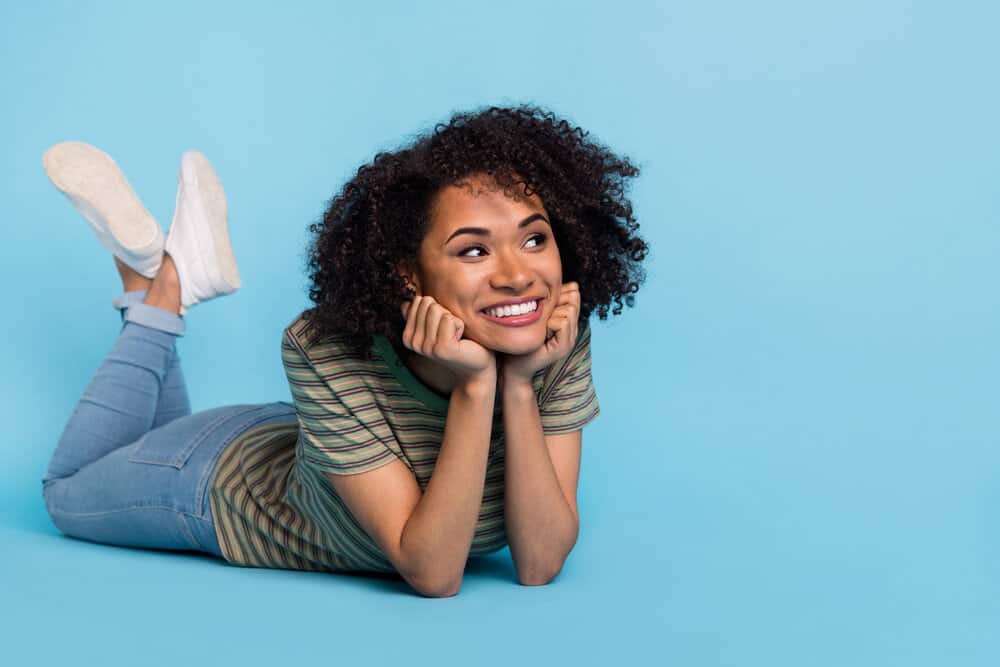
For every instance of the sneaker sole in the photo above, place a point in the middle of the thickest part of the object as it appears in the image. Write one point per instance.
(90, 177)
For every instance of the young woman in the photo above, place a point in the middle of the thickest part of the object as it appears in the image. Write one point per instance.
(439, 384)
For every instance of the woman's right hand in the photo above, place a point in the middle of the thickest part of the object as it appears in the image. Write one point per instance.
(434, 332)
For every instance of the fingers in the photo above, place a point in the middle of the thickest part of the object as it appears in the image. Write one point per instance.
(562, 321)
(448, 329)
(410, 309)
(569, 300)
(429, 324)
(569, 295)
(432, 318)
(458, 327)
(416, 323)
(556, 324)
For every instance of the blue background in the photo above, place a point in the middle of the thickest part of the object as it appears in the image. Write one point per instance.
(797, 457)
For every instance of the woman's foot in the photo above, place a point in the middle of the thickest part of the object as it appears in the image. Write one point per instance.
(165, 288)
(199, 234)
(98, 189)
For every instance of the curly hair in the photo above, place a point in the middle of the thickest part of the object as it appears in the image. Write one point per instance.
(379, 217)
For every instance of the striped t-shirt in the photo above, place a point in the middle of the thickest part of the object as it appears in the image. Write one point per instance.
(272, 503)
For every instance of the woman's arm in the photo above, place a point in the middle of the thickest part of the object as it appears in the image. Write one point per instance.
(438, 535)
(541, 522)
(539, 488)
(427, 536)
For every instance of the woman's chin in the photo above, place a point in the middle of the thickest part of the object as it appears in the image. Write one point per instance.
(517, 347)
(512, 341)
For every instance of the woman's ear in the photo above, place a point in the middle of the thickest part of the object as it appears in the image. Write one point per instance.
(409, 275)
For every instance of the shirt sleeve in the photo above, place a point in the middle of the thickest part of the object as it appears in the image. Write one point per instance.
(331, 436)
(569, 401)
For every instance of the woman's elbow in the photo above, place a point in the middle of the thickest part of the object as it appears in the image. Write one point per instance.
(538, 577)
(445, 589)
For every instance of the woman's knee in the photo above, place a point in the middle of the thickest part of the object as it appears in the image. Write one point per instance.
(50, 494)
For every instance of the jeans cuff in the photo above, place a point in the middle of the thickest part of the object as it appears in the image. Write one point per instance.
(155, 318)
(129, 299)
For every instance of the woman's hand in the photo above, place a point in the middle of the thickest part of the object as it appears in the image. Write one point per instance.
(560, 337)
(434, 332)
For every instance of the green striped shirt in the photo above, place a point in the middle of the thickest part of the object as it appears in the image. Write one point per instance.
(272, 503)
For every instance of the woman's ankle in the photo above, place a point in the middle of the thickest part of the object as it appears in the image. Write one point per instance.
(132, 280)
(165, 290)
(167, 303)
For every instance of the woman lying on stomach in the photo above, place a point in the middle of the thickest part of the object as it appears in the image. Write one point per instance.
(439, 384)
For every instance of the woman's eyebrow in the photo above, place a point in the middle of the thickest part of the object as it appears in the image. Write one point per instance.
(480, 231)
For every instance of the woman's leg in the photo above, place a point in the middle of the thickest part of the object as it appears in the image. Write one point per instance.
(116, 479)
(132, 466)
(121, 402)
(155, 493)
(173, 401)
(109, 480)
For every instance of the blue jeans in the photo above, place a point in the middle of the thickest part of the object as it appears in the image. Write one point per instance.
(133, 465)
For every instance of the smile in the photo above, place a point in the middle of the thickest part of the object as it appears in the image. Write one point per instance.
(518, 316)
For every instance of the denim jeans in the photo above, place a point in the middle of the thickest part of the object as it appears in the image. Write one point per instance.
(133, 466)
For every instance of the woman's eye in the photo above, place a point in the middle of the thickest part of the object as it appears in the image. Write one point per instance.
(462, 253)
(541, 239)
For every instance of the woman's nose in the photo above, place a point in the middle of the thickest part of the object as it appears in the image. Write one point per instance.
(511, 274)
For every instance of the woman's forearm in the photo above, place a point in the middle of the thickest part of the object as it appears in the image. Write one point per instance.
(541, 527)
(438, 535)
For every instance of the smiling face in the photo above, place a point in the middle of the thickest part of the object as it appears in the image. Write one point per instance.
(483, 248)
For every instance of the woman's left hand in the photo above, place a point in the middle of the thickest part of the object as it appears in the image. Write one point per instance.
(560, 337)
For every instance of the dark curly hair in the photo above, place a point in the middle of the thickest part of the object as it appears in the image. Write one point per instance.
(379, 217)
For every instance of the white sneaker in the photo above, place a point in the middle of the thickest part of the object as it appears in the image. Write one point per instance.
(198, 240)
(98, 189)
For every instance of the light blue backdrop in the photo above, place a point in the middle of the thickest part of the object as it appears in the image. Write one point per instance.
(797, 457)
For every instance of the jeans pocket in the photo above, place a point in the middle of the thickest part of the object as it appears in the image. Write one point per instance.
(163, 449)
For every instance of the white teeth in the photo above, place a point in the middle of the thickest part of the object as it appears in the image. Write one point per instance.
(507, 311)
